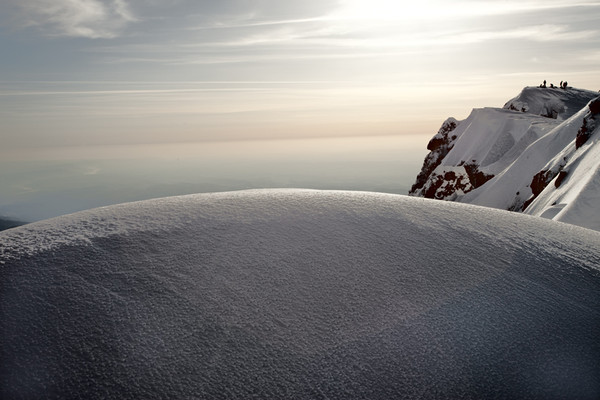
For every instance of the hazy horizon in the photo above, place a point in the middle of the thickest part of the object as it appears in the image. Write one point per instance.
(64, 180)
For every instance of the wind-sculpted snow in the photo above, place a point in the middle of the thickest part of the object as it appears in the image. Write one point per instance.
(299, 294)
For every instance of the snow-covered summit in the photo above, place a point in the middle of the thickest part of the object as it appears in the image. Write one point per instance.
(299, 294)
(498, 157)
(549, 102)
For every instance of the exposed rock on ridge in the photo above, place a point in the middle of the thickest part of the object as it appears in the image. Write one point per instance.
(589, 123)
(438, 146)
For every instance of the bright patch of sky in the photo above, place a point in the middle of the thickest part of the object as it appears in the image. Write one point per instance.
(81, 72)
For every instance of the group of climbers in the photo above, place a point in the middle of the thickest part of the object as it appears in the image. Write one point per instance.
(563, 85)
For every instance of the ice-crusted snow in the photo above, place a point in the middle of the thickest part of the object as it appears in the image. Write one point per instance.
(299, 294)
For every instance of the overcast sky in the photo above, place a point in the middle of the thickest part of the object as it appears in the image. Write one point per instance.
(84, 72)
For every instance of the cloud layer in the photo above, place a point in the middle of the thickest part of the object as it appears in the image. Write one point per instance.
(238, 68)
(74, 18)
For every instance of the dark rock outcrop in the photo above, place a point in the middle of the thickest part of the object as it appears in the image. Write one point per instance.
(595, 106)
(442, 187)
(476, 177)
(560, 178)
(541, 180)
(589, 123)
(439, 146)
(584, 133)
(446, 184)
(453, 181)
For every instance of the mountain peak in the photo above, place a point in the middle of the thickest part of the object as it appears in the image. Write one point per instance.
(506, 157)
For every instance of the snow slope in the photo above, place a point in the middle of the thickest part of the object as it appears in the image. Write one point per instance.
(299, 294)
(500, 191)
(576, 198)
(489, 140)
(501, 157)
(572, 177)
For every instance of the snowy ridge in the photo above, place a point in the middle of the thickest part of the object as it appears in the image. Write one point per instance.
(299, 294)
(573, 188)
(501, 192)
(504, 158)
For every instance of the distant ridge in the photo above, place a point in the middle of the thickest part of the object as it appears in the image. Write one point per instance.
(539, 154)
(6, 223)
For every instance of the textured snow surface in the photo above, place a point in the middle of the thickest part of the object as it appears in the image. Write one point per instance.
(299, 294)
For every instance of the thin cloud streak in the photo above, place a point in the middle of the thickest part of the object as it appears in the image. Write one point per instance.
(190, 60)
(174, 82)
(437, 9)
(537, 33)
(237, 25)
(310, 46)
(121, 92)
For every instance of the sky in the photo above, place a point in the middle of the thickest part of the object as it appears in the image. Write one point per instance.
(104, 72)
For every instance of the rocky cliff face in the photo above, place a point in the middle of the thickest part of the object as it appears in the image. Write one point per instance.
(508, 157)
(439, 146)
